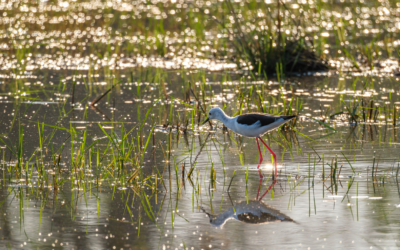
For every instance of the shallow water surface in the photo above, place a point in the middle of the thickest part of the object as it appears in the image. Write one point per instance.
(102, 147)
(337, 181)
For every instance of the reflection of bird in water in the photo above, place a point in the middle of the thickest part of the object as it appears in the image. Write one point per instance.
(251, 125)
(255, 212)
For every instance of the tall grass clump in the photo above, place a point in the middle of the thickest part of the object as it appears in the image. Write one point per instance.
(261, 45)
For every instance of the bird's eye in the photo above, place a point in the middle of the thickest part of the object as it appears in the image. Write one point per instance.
(209, 113)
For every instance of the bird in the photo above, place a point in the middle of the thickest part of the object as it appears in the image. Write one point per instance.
(251, 125)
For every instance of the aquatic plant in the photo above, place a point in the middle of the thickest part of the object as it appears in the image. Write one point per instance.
(264, 48)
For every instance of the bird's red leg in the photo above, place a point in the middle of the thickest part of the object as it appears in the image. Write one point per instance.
(261, 159)
(259, 152)
(273, 154)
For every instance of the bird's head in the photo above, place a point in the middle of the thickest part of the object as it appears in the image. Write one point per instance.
(214, 113)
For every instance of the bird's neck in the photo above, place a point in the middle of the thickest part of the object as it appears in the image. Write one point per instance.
(227, 120)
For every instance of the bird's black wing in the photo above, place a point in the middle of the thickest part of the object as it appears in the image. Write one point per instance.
(251, 118)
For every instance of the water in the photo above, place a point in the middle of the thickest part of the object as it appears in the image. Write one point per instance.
(115, 214)
(135, 171)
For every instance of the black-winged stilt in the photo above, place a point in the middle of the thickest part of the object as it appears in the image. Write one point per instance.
(251, 125)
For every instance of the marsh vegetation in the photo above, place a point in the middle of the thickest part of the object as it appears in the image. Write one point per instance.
(101, 105)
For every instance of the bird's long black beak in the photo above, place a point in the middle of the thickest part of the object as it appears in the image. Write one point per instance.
(205, 121)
